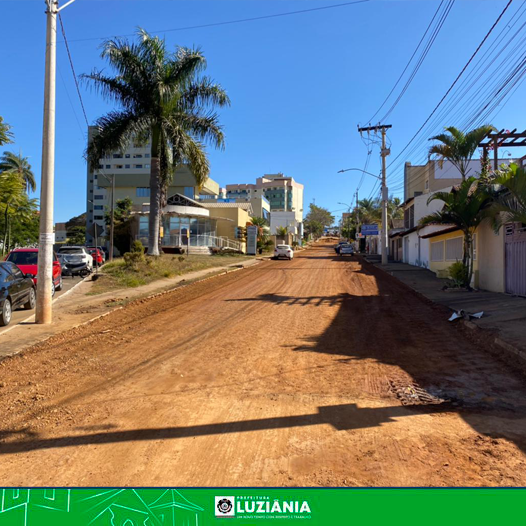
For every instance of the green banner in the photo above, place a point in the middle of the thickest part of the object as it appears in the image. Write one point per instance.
(237, 506)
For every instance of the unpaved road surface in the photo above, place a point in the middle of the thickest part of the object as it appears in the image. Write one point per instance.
(286, 373)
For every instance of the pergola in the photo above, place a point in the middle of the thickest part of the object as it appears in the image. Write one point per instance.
(502, 139)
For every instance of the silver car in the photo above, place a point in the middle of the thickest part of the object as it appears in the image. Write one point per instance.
(347, 249)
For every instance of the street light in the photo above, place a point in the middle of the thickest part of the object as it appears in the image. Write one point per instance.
(384, 244)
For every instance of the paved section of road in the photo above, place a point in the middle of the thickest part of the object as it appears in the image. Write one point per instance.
(21, 314)
(285, 373)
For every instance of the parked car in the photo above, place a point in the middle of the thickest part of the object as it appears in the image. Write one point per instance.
(346, 249)
(26, 259)
(338, 246)
(16, 290)
(97, 254)
(283, 251)
(75, 260)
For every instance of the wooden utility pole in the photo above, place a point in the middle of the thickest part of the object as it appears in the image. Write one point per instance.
(384, 245)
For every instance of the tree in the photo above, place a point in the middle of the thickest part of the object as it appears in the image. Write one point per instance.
(317, 219)
(282, 231)
(369, 211)
(15, 207)
(509, 197)
(6, 135)
(76, 235)
(464, 207)
(314, 228)
(122, 219)
(16, 163)
(260, 222)
(163, 98)
(458, 147)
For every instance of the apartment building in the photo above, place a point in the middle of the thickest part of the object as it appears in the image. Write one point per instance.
(129, 173)
(285, 198)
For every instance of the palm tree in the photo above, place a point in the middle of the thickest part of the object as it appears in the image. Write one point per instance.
(509, 204)
(282, 231)
(12, 162)
(164, 98)
(369, 211)
(458, 147)
(464, 207)
(5, 134)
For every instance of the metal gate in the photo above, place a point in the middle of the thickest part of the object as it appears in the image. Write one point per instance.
(515, 253)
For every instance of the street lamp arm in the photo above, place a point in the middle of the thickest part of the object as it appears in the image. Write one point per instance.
(358, 170)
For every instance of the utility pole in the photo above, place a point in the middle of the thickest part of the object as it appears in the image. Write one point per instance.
(43, 312)
(384, 245)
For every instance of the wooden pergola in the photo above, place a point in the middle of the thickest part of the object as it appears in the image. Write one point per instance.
(502, 139)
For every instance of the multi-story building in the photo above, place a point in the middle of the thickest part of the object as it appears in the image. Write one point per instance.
(284, 195)
(130, 171)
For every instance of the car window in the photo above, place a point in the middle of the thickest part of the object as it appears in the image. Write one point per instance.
(4, 275)
(70, 251)
(15, 271)
(23, 258)
(283, 246)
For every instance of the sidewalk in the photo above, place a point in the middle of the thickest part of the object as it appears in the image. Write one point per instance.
(77, 307)
(504, 315)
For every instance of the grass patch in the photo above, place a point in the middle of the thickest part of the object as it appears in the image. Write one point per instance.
(117, 275)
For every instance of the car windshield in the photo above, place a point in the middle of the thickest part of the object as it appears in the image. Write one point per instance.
(71, 251)
(23, 258)
(283, 246)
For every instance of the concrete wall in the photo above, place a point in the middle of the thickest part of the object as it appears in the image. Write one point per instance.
(237, 218)
(490, 255)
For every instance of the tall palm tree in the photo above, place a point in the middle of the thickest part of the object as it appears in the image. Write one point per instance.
(369, 210)
(17, 163)
(509, 204)
(458, 147)
(165, 98)
(464, 207)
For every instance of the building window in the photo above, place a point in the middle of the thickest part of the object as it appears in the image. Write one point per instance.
(98, 218)
(117, 156)
(137, 165)
(142, 192)
(108, 166)
(101, 166)
(119, 166)
(147, 155)
(127, 155)
(454, 249)
(147, 166)
(126, 166)
(189, 191)
(437, 251)
(98, 197)
(137, 155)
(99, 207)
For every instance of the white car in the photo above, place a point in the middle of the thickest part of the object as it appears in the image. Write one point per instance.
(283, 251)
(75, 257)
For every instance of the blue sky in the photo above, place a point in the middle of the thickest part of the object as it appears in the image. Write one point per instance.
(299, 84)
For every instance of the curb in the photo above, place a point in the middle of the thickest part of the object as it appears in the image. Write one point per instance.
(514, 353)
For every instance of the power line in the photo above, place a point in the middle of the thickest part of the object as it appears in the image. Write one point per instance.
(455, 81)
(229, 22)
(73, 69)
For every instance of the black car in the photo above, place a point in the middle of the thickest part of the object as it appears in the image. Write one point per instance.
(16, 290)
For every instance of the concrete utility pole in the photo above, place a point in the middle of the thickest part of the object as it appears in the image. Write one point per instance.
(384, 245)
(43, 312)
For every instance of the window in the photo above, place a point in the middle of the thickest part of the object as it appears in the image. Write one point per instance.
(147, 166)
(142, 192)
(98, 207)
(98, 218)
(137, 165)
(126, 166)
(137, 155)
(454, 249)
(117, 156)
(119, 166)
(147, 155)
(437, 251)
(98, 197)
(189, 191)
(127, 156)
(108, 166)
(101, 166)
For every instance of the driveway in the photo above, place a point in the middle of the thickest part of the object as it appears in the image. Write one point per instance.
(321, 371)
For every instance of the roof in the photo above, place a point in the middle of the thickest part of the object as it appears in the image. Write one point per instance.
(182, 200)
(244, 206)
(440, 232)
(34, 249)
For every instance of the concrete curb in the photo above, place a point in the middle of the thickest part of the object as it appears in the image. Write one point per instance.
(507, 351)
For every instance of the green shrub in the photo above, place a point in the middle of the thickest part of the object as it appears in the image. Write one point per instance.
(459, 273)
(181, 259)
(132, 259)
(137, 246)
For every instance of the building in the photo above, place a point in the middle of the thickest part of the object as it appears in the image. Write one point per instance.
(129, 171)
(61, 234)
(284, 195)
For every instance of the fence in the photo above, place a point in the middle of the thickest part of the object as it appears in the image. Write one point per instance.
(204, 240)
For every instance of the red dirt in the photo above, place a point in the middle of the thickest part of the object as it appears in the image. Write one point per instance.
(280, 374)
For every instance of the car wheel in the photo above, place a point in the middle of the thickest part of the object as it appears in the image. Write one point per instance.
(30, 305)
(5, 313)
(52, 289)
(59, 286)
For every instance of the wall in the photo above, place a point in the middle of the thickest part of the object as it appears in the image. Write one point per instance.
(237, 216)
(490, 253)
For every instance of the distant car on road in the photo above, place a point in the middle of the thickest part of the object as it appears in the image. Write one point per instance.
(97, 254)
(75, 259)
(346, 249)
(26, 259)
(16, 290)
(283, 251)
(337, 247)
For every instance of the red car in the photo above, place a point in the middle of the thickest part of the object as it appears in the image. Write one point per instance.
(26, 259)
(96, 254)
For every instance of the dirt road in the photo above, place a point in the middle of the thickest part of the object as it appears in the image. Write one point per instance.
(287, 373)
